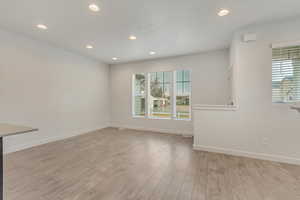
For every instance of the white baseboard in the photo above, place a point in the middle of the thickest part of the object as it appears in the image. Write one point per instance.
(159, 130)
(260, 156)
(19, 147)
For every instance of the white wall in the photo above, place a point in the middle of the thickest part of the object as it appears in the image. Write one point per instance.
(59, 92)
(209, 86)
(259, 128)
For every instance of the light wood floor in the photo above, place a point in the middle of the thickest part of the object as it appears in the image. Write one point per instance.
(135, 165)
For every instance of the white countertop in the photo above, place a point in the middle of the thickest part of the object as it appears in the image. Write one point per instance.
(10, 129)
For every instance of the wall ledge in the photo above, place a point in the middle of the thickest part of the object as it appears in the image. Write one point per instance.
(215, 107)
(19, 147)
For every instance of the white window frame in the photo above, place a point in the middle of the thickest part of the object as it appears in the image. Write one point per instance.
(148, 96)
(133, 96)
(282, 45)
(173, 95)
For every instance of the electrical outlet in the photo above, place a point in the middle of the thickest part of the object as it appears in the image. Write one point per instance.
(265, 141)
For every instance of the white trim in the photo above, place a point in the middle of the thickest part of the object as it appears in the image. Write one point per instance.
(285, 44)
(260, 156)
(18, 147)
(216, 107)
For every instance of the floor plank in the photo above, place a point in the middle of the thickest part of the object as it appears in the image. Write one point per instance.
(113, 164)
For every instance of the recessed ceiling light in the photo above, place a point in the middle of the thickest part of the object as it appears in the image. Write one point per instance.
(223, 12)
(42, 26)
(115, 58)
(152, 52)
(89, 46)
(132, 37)
(94, 7)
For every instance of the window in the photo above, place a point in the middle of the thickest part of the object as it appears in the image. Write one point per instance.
(183, 94)
(162, 95)
(286, 74)
(139, 95)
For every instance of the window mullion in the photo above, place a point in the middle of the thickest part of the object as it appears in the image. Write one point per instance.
(133, 95)
(147, 107)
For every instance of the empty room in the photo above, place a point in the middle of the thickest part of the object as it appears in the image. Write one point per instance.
(150, 100)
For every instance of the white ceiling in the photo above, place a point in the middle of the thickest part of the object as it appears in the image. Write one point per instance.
(168, 27)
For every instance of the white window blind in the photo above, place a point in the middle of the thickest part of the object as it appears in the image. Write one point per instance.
(286, 74)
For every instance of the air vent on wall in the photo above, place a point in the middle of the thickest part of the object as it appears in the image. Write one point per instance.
(249, 37)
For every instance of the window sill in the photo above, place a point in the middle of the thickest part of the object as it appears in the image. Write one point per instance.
(160, 118)
(176, 119)
(287, 105)
(163, 118)
(139, 117)
(282, 105)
